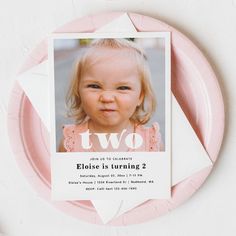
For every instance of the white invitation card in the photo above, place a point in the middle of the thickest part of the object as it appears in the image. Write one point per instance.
(110, 115)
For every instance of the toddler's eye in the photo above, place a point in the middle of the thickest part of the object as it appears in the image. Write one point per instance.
(124, 88)
(94, 86)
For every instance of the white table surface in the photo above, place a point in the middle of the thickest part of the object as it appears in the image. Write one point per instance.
(211, 24)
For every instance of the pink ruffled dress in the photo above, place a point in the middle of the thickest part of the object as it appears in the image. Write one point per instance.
(151, 138)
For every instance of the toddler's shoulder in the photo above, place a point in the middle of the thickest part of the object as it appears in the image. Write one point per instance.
(150, 129)
(70, 129)
(70, 136)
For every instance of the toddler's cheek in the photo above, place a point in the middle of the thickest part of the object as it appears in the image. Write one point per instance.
(129, 101)
(126, 99)
(88, 97)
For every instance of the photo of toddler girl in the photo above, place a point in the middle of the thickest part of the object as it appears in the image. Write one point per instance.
(110, 96)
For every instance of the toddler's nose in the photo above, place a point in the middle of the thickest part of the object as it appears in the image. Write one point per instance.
(107, 96)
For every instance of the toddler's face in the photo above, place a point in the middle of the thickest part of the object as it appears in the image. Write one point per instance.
(110, 89)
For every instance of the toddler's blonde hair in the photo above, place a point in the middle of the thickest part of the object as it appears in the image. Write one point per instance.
(144, 111)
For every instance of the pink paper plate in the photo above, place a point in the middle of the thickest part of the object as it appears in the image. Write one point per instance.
(193, 83)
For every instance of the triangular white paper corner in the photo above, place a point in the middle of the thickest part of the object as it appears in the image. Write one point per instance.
(121, 24)
(35, 82)
(188, 155)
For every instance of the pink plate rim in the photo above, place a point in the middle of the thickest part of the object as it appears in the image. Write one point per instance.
(153, 208)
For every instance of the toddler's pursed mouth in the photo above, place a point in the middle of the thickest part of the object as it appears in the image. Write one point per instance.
(107, 110)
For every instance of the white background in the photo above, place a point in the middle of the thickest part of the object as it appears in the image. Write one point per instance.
(211, 25)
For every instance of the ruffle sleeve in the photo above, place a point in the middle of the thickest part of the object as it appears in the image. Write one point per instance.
(155, 141)
(69, 137)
